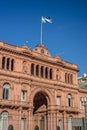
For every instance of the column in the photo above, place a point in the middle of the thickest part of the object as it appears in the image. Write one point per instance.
(29, 65)
(54, 74)
(49, 121)
(69, 123)
(39, 71)
(54, 120)
(19, 124)
(34, 70)
(48, 73)
(30, 119)
(45, 121)
(5, 63)
(44, 72)
(64, 121)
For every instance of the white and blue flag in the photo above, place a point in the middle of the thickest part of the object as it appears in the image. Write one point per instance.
(46, 19)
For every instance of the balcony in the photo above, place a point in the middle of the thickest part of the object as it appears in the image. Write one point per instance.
(68, 109)
(72, 109)
(13, 104)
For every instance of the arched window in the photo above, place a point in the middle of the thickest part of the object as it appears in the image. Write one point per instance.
(46, 72)
(50, 73)
(69, 100)
(37, 70)
(6, 91)
(8, 63)
(4, 121)
(32, 69)
(3, 62)
(42, 72)
(12, 64)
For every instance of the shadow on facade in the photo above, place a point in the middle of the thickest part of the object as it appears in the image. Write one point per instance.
(40, 104)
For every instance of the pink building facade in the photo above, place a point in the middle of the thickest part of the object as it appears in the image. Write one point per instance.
(37, 91)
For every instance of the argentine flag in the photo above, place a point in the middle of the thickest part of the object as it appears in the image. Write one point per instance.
(46, 19)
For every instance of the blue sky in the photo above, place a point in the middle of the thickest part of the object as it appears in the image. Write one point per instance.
(67, 36)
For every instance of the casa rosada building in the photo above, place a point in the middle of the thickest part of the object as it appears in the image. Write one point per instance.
(37, 91)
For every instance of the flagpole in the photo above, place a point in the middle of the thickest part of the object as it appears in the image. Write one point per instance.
(41, 33)
(43, 20)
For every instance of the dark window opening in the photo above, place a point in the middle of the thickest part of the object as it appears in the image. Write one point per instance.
(46, 72)
(8, 63)
(42, 71)
(69, 100)
(50, 73)
(65, 77)
(37, 70)
(3, 63)
(36, 128)
(12, 64)
(32, 69)
(10, 127)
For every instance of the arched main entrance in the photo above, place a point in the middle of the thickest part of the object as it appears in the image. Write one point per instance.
(40, 112)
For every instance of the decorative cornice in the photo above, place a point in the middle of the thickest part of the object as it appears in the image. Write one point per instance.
(28, 53)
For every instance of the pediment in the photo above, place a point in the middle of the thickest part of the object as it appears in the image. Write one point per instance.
(41, 108)
(41, 49)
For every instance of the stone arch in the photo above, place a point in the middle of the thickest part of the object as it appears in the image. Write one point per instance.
(11, 84)
(4, 120)
(5, 111)
(48, 94)
(40, 100)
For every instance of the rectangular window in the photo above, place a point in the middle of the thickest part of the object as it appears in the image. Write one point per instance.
(23, 95)
(58, 100)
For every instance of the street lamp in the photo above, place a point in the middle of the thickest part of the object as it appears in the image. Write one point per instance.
(24, 120)
(84, 103)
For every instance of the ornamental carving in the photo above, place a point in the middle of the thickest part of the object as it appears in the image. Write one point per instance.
(59, 74)
(25, 67)
(8, 82)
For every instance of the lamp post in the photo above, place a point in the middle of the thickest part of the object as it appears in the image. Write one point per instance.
(84, 103)
(24, 120)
